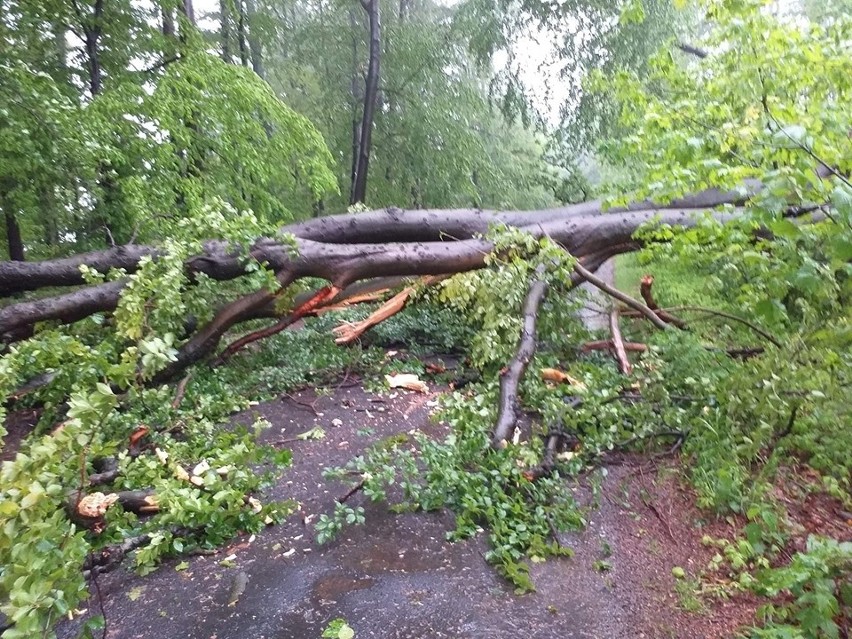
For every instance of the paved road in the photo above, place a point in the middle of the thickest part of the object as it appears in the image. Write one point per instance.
(395, 577)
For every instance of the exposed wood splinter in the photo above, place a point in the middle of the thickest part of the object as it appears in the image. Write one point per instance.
(350, 331)
(618, 344)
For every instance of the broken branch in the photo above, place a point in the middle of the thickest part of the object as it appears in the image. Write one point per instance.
(591, 278)
(645, 290)
(507, 414)
(606, 344)
(618, 344)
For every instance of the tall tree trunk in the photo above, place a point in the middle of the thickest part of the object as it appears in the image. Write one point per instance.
(225, 29)
(241, 34)
(13, 234)
(356, 138)
(254, 41)
(168, 22)
(92, 30)
(371, 91)
(188, 11)
(60, 48)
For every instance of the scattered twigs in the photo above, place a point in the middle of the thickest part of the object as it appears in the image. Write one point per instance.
(356, 488)
(645, 289)
(108, 558)
(620, 296)
(181, 391)
(658, 515)
(618, 344)
(650, 504)
(310, 406)
(745, 353)
(507, 413)
(679, 436)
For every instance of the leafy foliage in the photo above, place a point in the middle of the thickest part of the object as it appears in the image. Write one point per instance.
(816, 580)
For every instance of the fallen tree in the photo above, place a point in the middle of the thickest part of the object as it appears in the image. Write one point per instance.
(361, 257)
(342, 249)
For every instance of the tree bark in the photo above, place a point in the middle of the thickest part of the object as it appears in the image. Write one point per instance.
(645, 290)
(241, 34)
(13, 235)
(618, 344)
(168, 22)
(371, 92)
(225, 30)
(254, 41)
(507, 413)
(188, 11)
(342, 250)
(92, 30)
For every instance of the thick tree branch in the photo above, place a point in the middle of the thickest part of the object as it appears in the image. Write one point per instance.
(352, 248)
(606, 344)
(308, 307)
(391, 227)
(507, 412)
(692, 50)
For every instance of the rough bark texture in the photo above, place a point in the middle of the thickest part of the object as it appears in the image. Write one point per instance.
(343, 250)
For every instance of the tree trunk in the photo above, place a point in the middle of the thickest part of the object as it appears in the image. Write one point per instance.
(189, 12)
(353, 25)
(241, 35)
(92, 34)
(342, 249)
(255, 44)
(168, 22)
(225, 30)
(13, 235)
(371, 91)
